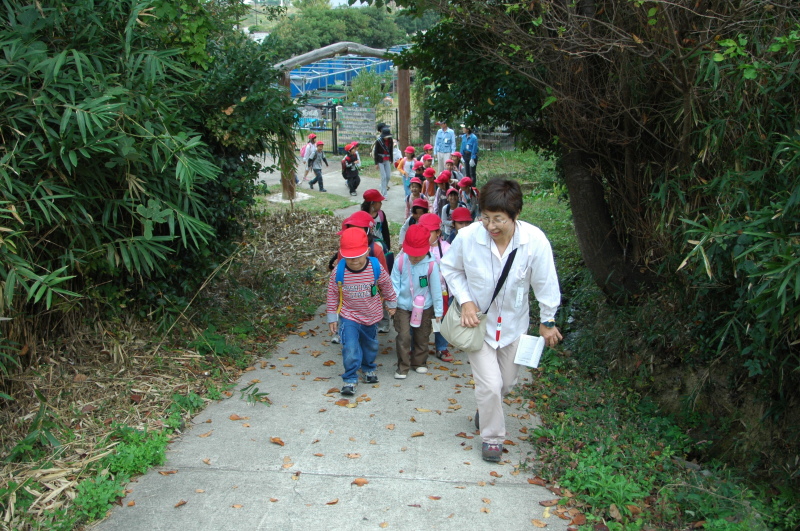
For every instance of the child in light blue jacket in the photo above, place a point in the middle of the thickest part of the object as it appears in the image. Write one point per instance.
(415, 274)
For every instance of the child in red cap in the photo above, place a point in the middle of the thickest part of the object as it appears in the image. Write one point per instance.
(461, 218)
(306, 153)
(357, 289)
(406, 167)
(351, 165)
(428, 185)
(447, 214)
(427, 161)
(469, 196)
(315, 163)
(440, 197)
(418, 208)
(433, 223)
(416, 193)
(416, 282)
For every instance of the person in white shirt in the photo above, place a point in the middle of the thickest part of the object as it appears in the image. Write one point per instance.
(472, 268)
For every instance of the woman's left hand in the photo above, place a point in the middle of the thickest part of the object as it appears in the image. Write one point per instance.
(551, 335)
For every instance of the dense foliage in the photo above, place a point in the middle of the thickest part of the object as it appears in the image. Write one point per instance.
(126, 130)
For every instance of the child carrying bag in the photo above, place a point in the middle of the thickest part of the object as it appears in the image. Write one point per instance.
(471, 339)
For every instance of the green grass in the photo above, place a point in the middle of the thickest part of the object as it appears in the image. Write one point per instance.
(524, 166)
(320, 203)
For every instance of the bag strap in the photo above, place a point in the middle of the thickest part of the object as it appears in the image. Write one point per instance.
(503, 276)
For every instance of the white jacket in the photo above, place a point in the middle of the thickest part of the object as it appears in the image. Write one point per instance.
(472, 267)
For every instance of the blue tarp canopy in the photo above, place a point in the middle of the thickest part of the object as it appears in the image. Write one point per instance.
(336, 71)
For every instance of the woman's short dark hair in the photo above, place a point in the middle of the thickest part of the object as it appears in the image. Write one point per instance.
(501, 195)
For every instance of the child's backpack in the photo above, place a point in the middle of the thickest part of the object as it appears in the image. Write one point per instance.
(303, 151)
(400, 266)
(344, 167)
(376, 270)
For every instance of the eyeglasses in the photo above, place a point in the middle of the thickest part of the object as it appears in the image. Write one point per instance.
(497, 222)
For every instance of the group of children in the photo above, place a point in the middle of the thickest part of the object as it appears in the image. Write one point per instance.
(368, 285)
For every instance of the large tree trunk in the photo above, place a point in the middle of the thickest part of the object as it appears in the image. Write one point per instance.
(602, 252)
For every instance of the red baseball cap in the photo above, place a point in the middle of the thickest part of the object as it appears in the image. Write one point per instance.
(416, 180)
(449, 161)
(353, 243)
(422, 203)
(443, 177)
(410, 149)
(355, 143)
(373, 195)
(452, 191)
(431, 222)
(429, 172)
(417, 242)
(360, 219)
(426, 147)
(418, 164)
(455, 154)
(312, 136)
(461, 214)
(466, 181)
(348, 147)
(426, 157)
(320, 143)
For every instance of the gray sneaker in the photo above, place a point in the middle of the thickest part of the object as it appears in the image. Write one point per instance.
(335, 339)
(492, 452)
(348, 389)
(371, 377)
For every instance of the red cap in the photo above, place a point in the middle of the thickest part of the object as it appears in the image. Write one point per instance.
(418, 164)
(465, 182)
(320, 143)
(461, 214)
(431, 222)
(312, 136)
(353, 243)
(416, 180)
(452, 191)
(373, 195)
(348, 147)
(360, 219)
(429, 172)
(449, 161)
(426, 157)
(426, 147)
(444, 177)
(455, 154)
(355, 143)
(423, 203)
(410, 149)
(417, 242)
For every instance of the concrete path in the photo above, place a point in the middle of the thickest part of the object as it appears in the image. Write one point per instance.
(401, 454)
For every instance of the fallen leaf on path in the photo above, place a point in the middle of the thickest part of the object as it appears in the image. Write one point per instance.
(418, 434)
(131, 503)
(435, 497)
(200, 491)
(207, 461)
(495, 474)
(167, 472)
(328, 363)
(414, 505)
(412, 419)
(182, 502)
(353, 456)
(464, 435)
(614, 512)
(273, 500)
(359, 482)
(323, 410)
(484, 509)
(422, 410)
(245, 425)
(276, 440)
(319, 455)
(263, 364)
(322, 378)
(206, 434)
(342, 402)
(548, 503)
(237, 505)
(537, 481)
(481, 483)
(390, 426)
(373, 441)
(383, 525)
(578, 520)
(486, 500)
(332, 390)
(333, 502)
(538, 523)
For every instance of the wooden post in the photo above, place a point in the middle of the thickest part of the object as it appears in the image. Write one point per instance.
(404, 107)
(286, 165)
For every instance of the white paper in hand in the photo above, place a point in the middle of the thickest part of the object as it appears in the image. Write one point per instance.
(529, 350)
(437, 327)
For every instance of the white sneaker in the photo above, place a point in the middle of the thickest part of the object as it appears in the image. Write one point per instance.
(421, 370)
(335, 340)
(399, 376)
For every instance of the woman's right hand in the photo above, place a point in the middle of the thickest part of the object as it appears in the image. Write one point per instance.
(469, 315)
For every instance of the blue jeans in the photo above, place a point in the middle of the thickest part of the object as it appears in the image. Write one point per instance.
(406, 186)
(359, 348)
(441, 342)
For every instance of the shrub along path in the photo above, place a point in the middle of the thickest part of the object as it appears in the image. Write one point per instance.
(404, 454)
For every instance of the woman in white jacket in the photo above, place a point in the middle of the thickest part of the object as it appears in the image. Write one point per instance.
(472, 268)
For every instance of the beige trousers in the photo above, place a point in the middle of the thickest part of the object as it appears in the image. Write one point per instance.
(495, 373)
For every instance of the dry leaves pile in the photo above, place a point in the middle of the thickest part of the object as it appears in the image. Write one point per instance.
(106, 373)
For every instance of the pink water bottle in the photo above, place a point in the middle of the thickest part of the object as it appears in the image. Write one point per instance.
(416, 310)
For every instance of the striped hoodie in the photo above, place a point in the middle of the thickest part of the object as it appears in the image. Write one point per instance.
(358, 304)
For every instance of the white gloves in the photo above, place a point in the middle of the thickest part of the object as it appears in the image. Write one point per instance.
(472, 163)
